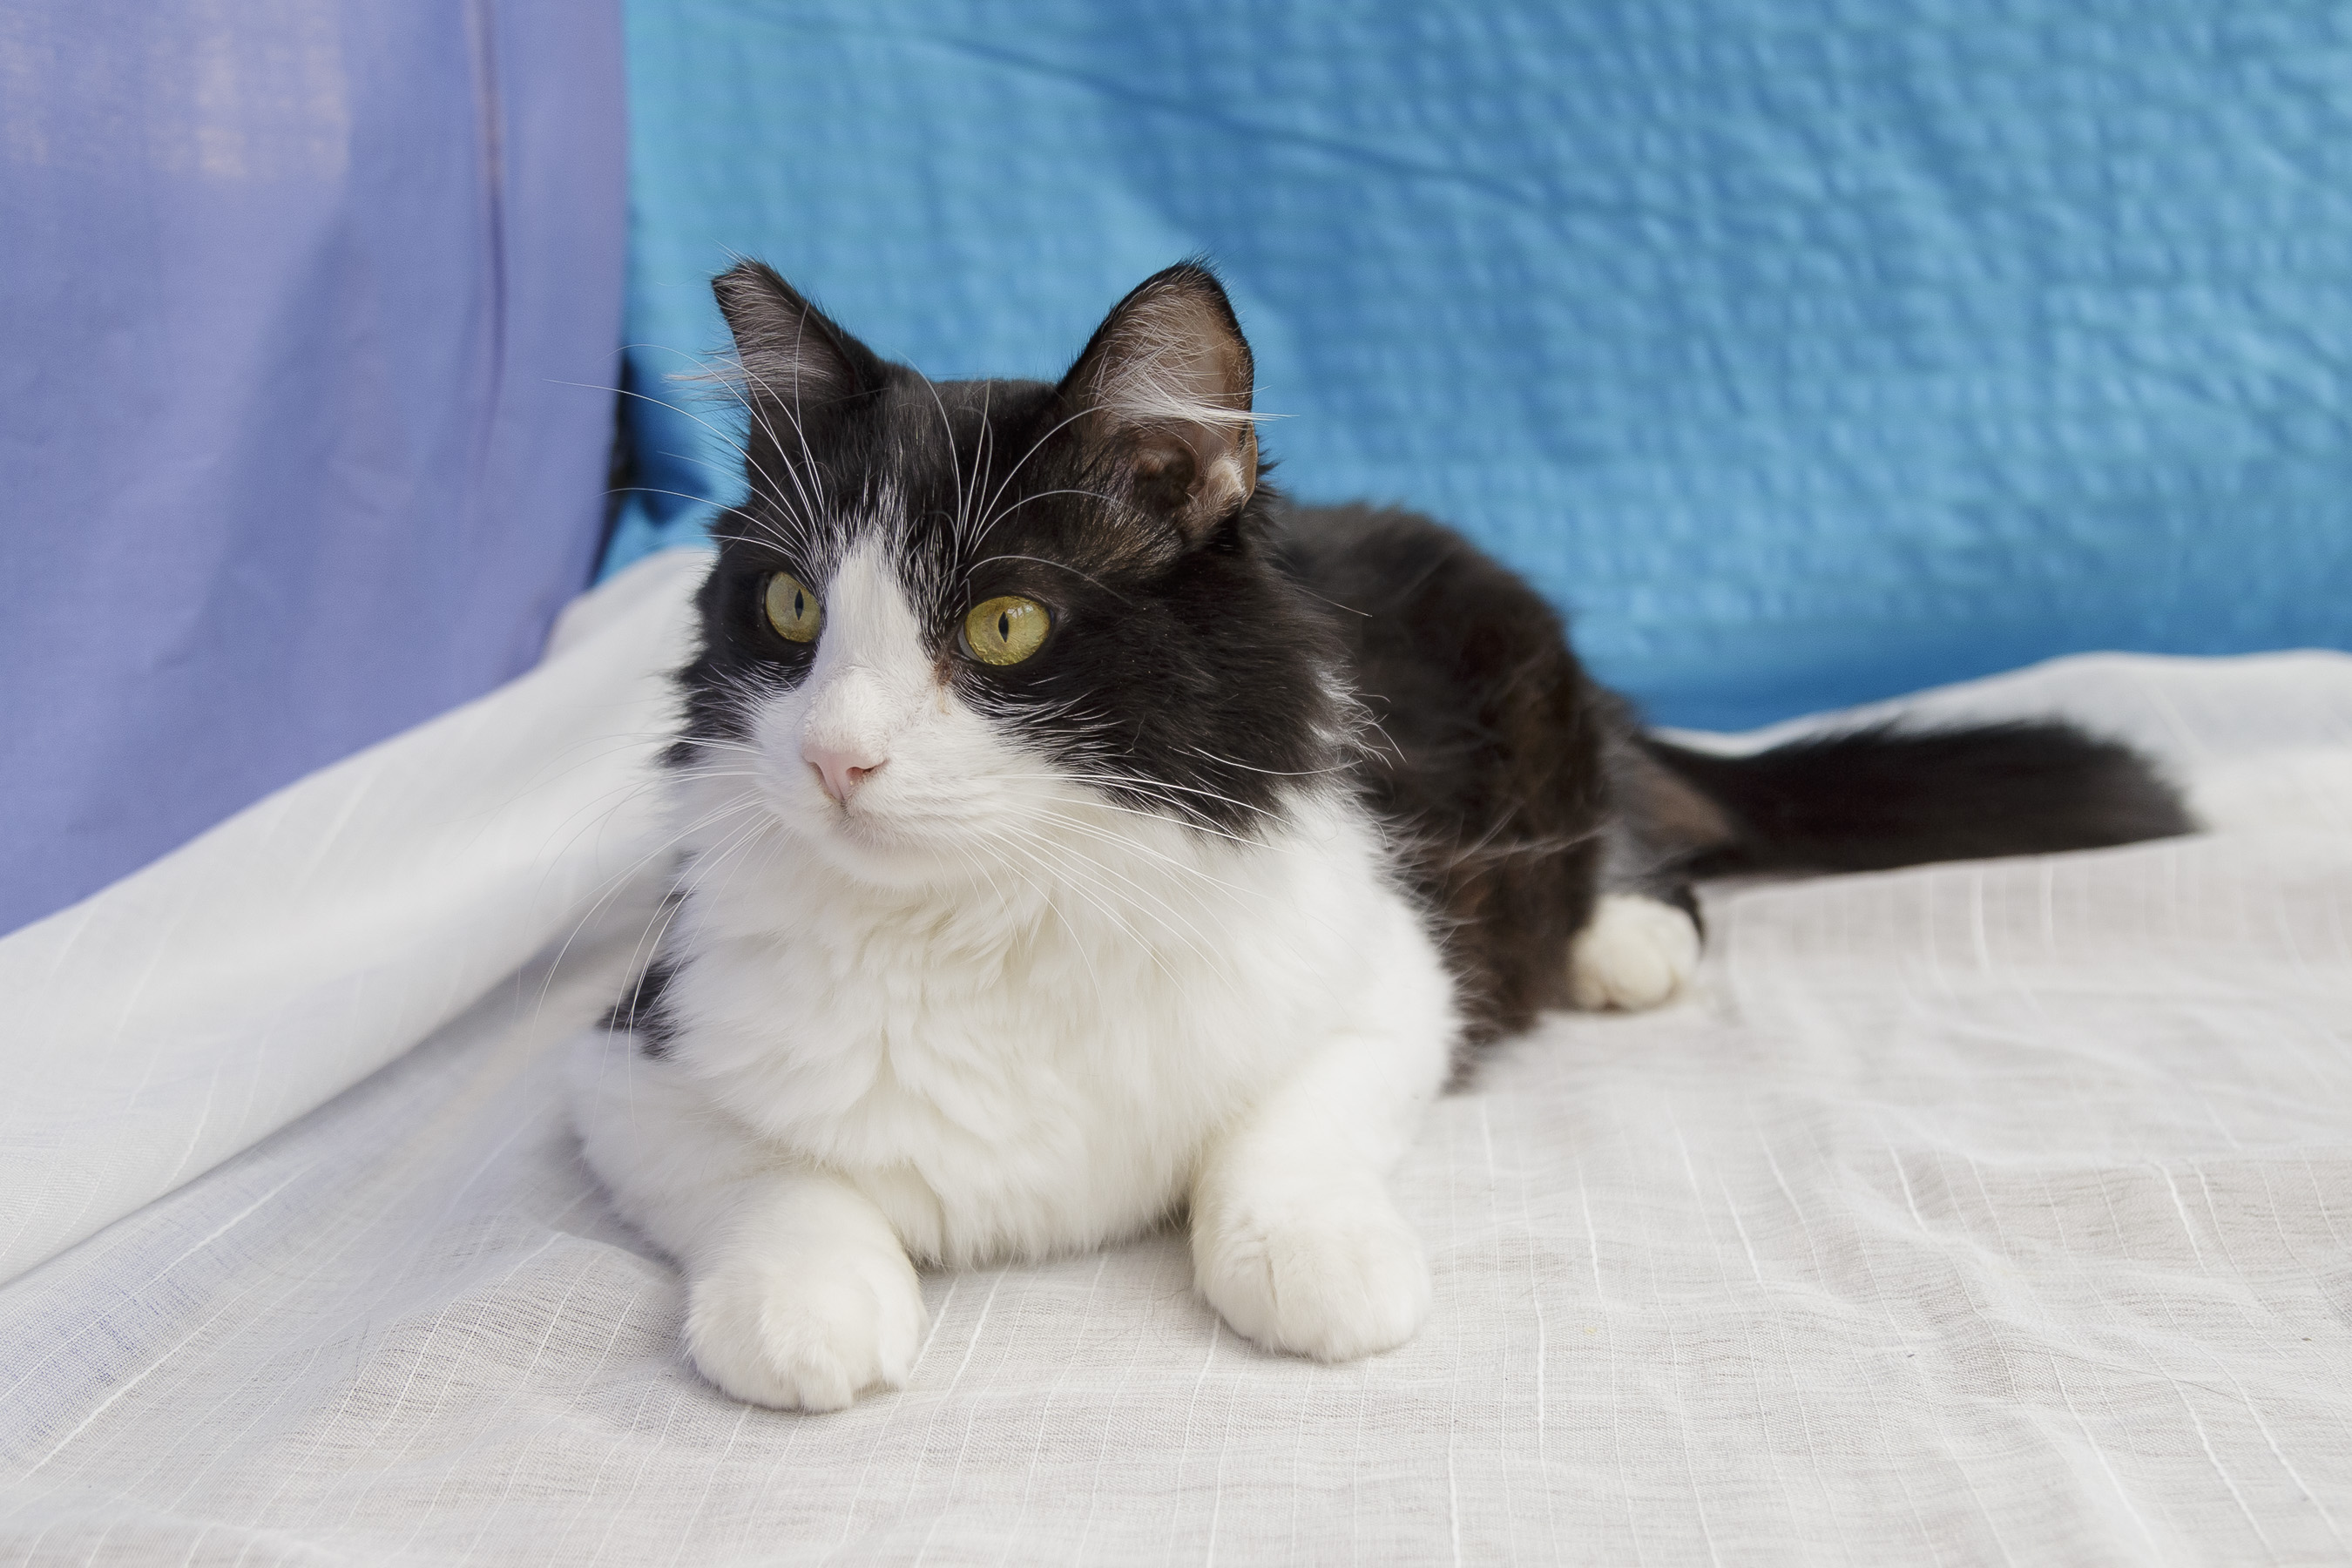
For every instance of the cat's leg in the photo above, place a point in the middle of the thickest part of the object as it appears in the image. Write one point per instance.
(1640, 946)
(798, 1292)
(1295, 1241)
(1637, 951)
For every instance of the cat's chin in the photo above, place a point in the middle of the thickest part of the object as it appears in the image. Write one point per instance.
(870, 848)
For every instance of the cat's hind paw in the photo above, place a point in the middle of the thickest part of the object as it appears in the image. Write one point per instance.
(1634, 953)
(801, 1336)
(1336, 1280)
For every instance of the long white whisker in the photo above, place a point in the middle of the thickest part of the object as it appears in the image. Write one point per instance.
(699, 419)
(1064, 565)
(1150, 900)
(947, 428)
(809, 506)
(987, 514)
(1013, 837)
(1271, 773)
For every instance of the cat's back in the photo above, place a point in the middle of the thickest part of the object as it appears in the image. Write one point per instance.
(1464, 666)
(1486, 759)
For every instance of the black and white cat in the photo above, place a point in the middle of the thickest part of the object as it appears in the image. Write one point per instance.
(1077, 836)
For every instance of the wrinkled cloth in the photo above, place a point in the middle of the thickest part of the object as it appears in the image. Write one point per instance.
(311, 310)
(1808, 352)
(1965, 1213)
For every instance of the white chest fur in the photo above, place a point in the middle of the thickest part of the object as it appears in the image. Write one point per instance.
(1033, 1060)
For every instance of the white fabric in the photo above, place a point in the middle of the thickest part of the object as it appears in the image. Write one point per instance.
(206, 1001)
(1985, 1213)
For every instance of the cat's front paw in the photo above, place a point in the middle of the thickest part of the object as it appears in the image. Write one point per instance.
(799, 1334)
(1633, 954)
(1334, 1279)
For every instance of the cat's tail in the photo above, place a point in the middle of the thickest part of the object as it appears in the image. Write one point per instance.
(1862, 800)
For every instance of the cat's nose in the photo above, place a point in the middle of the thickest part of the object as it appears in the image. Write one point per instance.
(840, 769)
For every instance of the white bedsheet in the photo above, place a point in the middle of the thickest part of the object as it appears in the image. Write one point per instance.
(1994, 1212)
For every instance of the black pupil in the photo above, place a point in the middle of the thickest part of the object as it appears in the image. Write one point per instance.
(1005, 625)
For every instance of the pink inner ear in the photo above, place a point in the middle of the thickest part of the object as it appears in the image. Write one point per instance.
(1171, 381)
(1225, 475)
(1197, 475)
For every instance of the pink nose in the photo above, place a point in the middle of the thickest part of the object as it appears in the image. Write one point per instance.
(841, 772)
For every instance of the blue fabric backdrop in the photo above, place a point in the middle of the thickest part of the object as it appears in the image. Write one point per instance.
(291, 289)
(1809, 350)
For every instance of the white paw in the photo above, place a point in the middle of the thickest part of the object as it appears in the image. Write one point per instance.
(1335, 1280)
(803, 1335)
(1635, 953)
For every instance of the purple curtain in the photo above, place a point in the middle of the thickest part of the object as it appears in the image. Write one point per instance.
(311, 307)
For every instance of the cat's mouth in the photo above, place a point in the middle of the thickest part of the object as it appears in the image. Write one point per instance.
(864, 827)
(876, 840)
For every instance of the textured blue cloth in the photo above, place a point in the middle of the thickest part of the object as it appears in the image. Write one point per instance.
(292, 289)
(1809, 351)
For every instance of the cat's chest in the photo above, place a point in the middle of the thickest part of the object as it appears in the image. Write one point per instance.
(1002, 1079)
(871, 1039)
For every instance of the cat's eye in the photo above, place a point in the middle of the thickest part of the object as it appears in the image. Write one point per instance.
(793, 610)
(1005, 629)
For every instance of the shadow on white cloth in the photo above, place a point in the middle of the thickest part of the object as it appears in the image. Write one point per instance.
(1964, 1214)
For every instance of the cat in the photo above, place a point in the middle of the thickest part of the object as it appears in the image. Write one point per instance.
(1077, 836)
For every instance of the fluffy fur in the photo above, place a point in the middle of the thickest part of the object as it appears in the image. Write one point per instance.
(1193, 911)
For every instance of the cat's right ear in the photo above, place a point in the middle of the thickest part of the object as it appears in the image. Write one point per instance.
(1162, 398)
(790, 351)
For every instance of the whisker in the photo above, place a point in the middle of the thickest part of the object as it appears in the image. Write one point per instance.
(1064, 565)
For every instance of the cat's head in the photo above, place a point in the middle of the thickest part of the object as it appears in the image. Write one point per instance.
(966, 623)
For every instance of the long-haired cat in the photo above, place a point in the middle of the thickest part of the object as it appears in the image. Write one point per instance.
(1078, 836)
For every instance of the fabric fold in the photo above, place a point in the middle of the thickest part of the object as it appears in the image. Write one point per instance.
(195, 1007)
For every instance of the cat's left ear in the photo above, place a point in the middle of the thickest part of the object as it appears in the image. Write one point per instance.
(790, 352)
(1161, 395)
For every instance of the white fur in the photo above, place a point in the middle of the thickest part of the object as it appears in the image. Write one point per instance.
(1635, 952)
(983, 1011)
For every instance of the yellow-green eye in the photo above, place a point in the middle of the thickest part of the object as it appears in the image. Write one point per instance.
(792, 609)
(1005, 629)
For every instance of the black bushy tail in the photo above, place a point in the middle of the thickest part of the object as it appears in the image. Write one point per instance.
(1863, 800)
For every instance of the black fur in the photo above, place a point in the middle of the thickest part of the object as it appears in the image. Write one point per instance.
(1864, 800)
(1204, 633)
(1181, 672)
(1487, 761)
(640, 1010)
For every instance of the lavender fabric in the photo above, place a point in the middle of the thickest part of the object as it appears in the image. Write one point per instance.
(306, 302)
